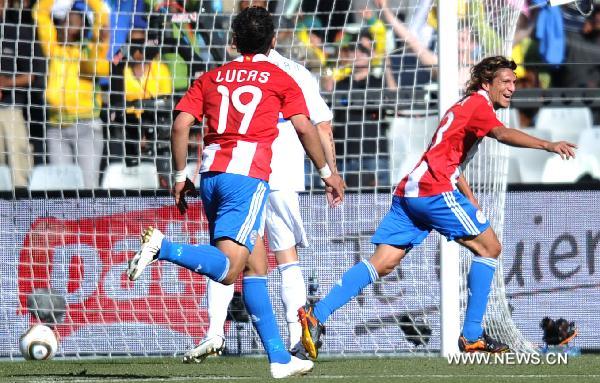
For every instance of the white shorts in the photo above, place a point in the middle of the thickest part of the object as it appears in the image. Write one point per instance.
(284, 225)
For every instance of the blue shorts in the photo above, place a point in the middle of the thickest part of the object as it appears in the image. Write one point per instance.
(410, 220)
(234, 205)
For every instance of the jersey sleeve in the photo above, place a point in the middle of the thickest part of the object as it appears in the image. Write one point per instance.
(484, 119)
(192, 101)
(293, 99)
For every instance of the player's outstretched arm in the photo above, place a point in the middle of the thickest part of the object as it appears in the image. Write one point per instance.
(309, 137)
(179, 146)
(514, 137)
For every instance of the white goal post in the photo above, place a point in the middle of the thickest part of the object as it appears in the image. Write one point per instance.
(449, 259)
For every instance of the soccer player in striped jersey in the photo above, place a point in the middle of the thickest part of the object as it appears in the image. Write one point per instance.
(284, 224)
(241, 101)
(434, 195)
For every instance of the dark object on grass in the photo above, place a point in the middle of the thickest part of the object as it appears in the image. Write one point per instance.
(558, 332)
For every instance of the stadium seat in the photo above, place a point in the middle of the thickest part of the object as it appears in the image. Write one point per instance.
(531, 163)
(407, 139)
(56, 177)
(514, 173)
(513, 118)
(565, 124)
(559, 170)
(403, 164)
(5, 178)
(589, 144)
(544, 134)
(119, 176)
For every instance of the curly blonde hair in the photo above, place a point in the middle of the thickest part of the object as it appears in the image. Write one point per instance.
(485, 71)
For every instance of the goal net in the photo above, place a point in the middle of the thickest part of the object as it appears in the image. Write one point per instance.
(86, 166)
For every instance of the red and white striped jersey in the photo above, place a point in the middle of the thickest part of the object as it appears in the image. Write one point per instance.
(453, 144)
(241, 101)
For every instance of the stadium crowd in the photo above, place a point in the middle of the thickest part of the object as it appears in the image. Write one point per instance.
(94, 82)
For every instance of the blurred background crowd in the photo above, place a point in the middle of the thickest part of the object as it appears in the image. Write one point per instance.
(92, 83)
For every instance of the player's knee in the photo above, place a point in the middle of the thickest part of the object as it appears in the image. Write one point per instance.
(496, 250)
(382, 273)
(231, 276)
(385, 266)
(229, 279)
(492, 250)
(386, 258)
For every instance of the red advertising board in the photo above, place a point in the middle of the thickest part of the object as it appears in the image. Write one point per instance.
(181, 310)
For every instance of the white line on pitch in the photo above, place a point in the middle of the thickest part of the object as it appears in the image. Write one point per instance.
(315, 377)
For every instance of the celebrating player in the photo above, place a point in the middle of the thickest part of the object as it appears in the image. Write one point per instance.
(241, 102)
(283, 220)
(436, 196)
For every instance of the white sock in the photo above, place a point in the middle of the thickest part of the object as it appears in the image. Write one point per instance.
(218, 297)
(293, 295)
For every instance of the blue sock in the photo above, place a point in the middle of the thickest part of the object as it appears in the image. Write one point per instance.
(352, 282)
(258, 305)
(202, 259)
(479, 284)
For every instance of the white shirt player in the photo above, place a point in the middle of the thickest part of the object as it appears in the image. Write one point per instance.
(287, 164)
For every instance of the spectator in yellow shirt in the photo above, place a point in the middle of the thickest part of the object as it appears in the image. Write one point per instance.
(74, 131)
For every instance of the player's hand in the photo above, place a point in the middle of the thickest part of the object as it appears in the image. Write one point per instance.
(334, 189)
(180, 190)
(564, 149)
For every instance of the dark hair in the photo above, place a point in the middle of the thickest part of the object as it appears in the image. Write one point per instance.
(253, 30)
(485, 71)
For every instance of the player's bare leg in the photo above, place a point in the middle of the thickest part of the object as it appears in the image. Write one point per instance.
(386, 258)
(258, 264)
(485, 245)
(486, 248)
(238, 257)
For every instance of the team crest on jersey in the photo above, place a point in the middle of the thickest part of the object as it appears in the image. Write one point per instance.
(253, 235)
(480, 217)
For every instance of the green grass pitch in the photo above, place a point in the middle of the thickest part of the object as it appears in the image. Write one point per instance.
(585, 368)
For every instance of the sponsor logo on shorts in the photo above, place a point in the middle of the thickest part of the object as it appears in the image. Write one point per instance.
(253, 235)
(480, 217)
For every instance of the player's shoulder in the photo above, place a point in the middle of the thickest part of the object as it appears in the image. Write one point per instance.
(260, 62)
(476, 100)
(288, 65)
